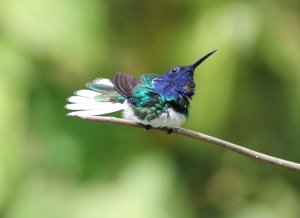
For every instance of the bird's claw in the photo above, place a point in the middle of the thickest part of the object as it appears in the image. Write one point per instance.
(170, 130)
(146, 127)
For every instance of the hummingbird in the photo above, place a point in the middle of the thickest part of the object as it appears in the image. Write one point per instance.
(151, 100)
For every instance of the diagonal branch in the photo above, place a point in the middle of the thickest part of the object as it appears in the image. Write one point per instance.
(202, 137)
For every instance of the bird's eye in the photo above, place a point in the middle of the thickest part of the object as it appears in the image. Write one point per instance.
(175, 69)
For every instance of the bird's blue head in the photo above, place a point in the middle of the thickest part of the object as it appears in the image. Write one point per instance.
(178, 83)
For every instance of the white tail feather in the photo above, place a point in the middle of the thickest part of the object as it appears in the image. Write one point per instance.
(95, 112)
(83, 102)
(95, 106)
(103, 82)
(87, 93)
(80, 100)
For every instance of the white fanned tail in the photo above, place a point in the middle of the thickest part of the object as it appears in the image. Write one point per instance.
(100, 98)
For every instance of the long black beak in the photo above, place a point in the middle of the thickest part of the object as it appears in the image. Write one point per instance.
(197, 63)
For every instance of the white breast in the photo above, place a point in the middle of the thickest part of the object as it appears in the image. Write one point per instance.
(169, 118)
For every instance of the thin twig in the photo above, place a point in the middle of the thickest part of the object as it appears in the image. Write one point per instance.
(202, 137)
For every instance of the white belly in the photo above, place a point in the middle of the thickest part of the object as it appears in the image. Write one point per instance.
(169, 118)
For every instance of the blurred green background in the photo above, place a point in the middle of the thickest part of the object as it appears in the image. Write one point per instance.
(248, 93)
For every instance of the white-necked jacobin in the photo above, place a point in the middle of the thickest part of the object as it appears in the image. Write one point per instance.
(151, 100)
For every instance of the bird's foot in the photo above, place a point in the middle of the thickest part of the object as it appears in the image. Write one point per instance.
(146, 127)
(170, 130)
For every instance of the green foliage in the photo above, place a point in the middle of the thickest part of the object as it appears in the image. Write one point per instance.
(248, 92)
